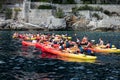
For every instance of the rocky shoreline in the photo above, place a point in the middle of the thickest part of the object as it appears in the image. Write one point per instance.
(16, 25)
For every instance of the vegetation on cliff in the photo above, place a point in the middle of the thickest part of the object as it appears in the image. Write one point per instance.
(83, 1)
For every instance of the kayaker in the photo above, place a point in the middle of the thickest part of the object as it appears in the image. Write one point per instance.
(78, 41)
(15, 35)
(67, 44)
(101, 42)
(109, 45)
(38, 37)
(86, 49)
(84, 40)
(89, 44)
(34, 41)
(61, 47)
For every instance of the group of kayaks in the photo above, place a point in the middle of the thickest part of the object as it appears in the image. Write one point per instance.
(46, 47)
(49, 49)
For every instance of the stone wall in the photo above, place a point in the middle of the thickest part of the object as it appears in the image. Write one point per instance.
(85, 13)
(46, 19)
(39, 16)
(106, 23)
(112, 8)
(111, 21)
(55, 23)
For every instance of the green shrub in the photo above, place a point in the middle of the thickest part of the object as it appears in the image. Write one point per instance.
(8, 13)
(45, 7)
(86, 7)
(17, 9)
(87, 2)
(59, 13)
(0, 6)
(40, 0)
(64, 2)
(96, 15)
(70, 2)
(107, 12)
(97, 8)
(74, 9)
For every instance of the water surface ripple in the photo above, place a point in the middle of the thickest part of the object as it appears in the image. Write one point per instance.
(18, 62)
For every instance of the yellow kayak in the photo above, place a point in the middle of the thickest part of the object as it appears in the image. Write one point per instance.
(105, 50)
(52, 50)
(76, 60)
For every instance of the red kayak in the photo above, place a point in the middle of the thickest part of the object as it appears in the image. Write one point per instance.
(48, 48)
(26, 43)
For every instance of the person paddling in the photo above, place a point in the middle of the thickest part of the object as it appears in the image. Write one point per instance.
(101, 42)
(84, 40)
(89, 45)
(109, 45)
(61, 47)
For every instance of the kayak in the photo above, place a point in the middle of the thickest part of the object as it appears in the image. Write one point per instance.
(75, 60)
(46, 48)
(26, 43)
(28, 38)
(49, 49)
(105, 50)
(67, 37)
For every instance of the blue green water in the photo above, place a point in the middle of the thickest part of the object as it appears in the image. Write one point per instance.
(10, 45)
(50, 69)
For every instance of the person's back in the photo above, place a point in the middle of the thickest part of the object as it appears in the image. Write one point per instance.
(67, 44)
(101, 42)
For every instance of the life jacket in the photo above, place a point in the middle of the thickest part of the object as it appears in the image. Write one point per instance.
(110, 45)
(67, 44)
